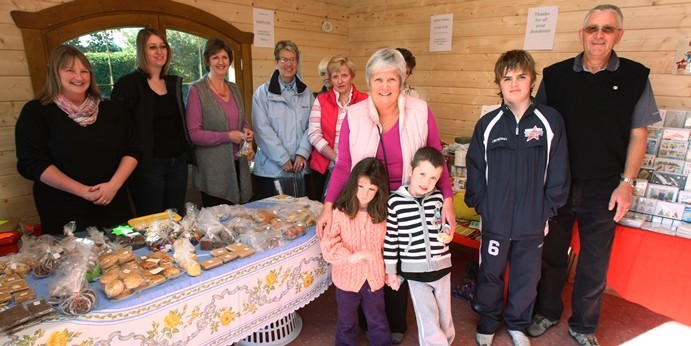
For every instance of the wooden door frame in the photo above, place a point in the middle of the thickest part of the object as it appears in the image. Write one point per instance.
(44, 30)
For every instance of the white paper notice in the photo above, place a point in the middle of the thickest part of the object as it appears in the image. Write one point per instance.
(263, 28)
(540, 28)
(440, 33)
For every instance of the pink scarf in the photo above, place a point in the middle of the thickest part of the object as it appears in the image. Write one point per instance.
(84, 114)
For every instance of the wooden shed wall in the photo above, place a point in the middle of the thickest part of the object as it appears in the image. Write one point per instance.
(458, 82)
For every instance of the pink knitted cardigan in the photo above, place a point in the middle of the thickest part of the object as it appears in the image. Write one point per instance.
(347, 237)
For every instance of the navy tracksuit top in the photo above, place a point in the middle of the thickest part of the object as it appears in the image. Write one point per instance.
(518, 172)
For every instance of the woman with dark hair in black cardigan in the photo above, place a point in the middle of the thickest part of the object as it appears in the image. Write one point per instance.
(153, 100)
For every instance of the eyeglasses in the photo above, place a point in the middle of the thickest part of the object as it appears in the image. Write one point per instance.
(322, 74)
(285, 60)
(607, 29)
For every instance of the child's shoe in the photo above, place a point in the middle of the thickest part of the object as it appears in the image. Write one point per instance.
(397, 338)
(484, 339)
(519, 339)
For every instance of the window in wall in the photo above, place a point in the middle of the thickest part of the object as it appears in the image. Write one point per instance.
(113, 54)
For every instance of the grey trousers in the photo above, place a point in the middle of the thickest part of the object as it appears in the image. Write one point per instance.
(432, 304)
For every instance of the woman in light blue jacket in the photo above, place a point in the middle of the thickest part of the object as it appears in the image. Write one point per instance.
(280, 116)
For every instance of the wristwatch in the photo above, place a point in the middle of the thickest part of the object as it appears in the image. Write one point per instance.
(628, 181)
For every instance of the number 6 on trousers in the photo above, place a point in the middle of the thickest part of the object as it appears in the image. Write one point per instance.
(493, 247)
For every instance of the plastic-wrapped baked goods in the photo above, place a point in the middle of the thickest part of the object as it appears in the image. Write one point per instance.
(148, 263)
(114, 288)
(65, 285)
(17, 264)
(125, 255)
(20, 297)
(216, 234)
(17, 286)
(240, 249)
(130, 266)
(99, 239)
(193, 269)
(211, 263)
(262, 240)
(160, 255)
(228, 256)
(123, 240)
(79, 303)
(209, 243)
(108, 260)
(445, 237)
(219, 252)
(148, 221)
(21, 269)
(293, 231)
(109, 277)
(185, 257)
(5, 297)
(44, 267)
(158, 236)
(138, 241)
(133, 280)
(155, 279)
(246, 150)
(264, 217)
(13, 317)
(171, 273)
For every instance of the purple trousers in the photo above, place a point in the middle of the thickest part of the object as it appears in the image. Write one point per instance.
(373, 305)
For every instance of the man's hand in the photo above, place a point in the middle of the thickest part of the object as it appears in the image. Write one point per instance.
(621, 197)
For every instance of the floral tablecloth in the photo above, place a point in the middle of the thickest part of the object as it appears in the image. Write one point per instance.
(220, 307)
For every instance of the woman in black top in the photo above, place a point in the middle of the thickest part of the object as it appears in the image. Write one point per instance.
(153, 99)
(78, 149)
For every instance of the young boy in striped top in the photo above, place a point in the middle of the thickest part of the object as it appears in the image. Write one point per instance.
(415, 248)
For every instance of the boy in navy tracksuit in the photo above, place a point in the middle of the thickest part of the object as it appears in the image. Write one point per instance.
(518, 176)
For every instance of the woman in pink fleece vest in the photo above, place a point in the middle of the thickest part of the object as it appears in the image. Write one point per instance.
(354, 247)
(390, 127)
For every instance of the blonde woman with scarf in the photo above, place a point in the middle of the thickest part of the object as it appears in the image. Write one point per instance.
(78, 149)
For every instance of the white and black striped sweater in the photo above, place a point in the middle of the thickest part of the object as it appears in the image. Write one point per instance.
(411, 233)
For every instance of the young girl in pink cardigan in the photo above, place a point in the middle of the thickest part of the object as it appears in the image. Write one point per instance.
(354, 248)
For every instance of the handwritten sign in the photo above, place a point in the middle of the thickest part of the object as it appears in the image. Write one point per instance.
(540, 28)
(441, 33)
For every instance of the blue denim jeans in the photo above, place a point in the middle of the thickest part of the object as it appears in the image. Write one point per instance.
(163, 188)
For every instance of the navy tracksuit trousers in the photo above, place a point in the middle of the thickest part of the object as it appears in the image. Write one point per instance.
(523, 258)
